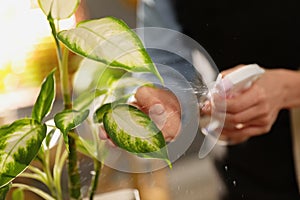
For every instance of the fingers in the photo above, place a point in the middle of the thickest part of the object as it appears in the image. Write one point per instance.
(245, 132)
(256, 115)
(247, 99)
(162, 107)
(158, 114)
(148, 96)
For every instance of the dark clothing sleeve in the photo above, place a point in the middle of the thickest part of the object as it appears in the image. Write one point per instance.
(242, 32)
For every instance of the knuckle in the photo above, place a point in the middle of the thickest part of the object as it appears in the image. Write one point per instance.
(235, 119)
(264, 121)
(261, 95)
(265, 110)
(234, 107)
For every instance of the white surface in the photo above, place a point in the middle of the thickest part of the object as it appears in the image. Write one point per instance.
(124, 194)
(242, 78)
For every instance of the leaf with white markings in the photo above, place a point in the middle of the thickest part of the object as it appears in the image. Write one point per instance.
(132, 130)
(111, 41)
(19, 144)
(68, 120)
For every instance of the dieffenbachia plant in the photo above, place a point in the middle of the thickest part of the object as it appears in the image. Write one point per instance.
(109, 41)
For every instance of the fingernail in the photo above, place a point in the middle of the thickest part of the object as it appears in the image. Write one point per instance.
(158, 115)
(157, 109)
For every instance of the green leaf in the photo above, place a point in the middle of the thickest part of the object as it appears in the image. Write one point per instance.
(108, 77)
(132, 130)
(4, 190)
(68, 120)
(44, 102)
(99, 113)
(84, 100)
(59, 9)
(18, 194)
(19, 144)
(111, 41)
(92, 148)
(49, 137)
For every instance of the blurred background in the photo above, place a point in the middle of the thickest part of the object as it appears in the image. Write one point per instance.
(27, 55)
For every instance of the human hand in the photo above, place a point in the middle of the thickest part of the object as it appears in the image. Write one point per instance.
(254, 111)
(162, 107)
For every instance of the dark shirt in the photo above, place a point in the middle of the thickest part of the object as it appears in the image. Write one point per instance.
(242, 32)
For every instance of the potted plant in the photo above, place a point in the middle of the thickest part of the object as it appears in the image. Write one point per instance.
(109, 41)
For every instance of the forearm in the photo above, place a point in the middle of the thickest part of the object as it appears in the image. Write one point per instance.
(291, 90)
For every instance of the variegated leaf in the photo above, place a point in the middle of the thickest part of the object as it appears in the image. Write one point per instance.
(111, 41)
(19, 144)
(68, 120)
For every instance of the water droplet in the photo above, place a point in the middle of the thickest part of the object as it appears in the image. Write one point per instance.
(234, 183)
(93, 173)
(226, 168)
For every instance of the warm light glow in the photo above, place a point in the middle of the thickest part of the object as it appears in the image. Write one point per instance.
(25, 38)
(23, 25)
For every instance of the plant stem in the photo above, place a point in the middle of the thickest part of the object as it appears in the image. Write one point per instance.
(57, 168)
(64, 78)
(34, 190)
(94, 183)
(73, 172)
(74, 177)
(46, 168)
(63, 67)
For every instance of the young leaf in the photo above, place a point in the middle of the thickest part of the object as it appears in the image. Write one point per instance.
(68, 120)
(111, 41)
(59, 9)
(91, 148)
(83, 101)
(109, 77)
(132, 130)
(45, 100)
(19, 144)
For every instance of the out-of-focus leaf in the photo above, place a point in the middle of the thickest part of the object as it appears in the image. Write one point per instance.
(92, 148)
(109, 77)
(59, 9)
(83, 101)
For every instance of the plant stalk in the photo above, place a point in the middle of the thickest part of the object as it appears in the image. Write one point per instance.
(73, 172)
(94, 183)
(34, 190)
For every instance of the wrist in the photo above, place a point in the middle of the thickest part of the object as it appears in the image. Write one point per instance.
(290, 91)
